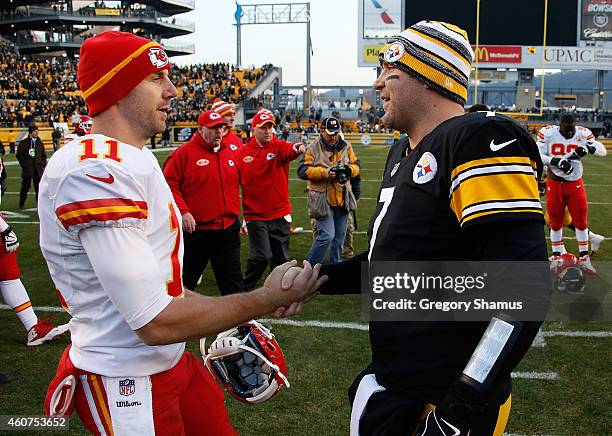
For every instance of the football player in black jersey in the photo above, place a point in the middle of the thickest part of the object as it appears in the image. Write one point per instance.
(459, 187)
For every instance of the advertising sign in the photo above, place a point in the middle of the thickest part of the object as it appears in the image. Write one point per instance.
(378, 20)
(595, 20)
(494, 54)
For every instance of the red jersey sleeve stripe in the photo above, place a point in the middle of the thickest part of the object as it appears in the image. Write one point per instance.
(83, 212)
(101, 202)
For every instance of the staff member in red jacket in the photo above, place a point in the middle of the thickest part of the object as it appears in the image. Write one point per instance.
(203, 177)
(264, 177)
(226, 110)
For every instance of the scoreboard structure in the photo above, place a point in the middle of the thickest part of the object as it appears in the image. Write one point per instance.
(511, 33)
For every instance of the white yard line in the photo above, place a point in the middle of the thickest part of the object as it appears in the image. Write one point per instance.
(533, 375)
(361, 326)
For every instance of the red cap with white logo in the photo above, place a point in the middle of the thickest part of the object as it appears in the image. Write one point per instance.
(262, 117)
(113, 63)
(210, 119)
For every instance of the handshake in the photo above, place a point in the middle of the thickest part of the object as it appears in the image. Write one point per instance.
(288, 287)
(340, 172)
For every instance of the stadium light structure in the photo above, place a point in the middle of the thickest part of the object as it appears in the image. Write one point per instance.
(281, 13)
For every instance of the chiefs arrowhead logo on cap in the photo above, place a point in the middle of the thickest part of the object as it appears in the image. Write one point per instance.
(214, 116)
(158, 57)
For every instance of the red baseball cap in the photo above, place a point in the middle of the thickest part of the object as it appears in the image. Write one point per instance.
(210, 119)
(113, 63)
(263, 117)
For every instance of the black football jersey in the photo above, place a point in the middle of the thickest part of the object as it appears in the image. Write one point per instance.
(472, 169)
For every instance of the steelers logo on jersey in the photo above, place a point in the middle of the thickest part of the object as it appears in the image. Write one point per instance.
(425, 169)
(394, 52)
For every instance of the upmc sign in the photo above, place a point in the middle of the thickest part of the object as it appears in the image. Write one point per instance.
(498, 54)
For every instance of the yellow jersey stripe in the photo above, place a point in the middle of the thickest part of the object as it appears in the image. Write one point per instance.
(493, 187)
(492, 161)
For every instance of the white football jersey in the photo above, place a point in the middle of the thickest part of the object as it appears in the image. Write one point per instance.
(111, 235)
(553, 144)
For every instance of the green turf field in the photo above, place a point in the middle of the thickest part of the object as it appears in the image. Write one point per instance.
(323, 361)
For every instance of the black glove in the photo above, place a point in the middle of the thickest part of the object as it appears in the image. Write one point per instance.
(436, 425)
(581, 151)
(9, 239)
(563, 164)
(590, 147)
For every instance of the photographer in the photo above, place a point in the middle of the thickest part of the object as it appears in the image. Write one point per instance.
(329, 164)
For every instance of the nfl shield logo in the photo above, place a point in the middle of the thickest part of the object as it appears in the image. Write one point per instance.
(127, 387)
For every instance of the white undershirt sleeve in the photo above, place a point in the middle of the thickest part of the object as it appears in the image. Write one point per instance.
(600, 149)
(127, 269)
(543, 148)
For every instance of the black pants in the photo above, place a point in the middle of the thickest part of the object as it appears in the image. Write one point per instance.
(268, 244)
(222, 248)
(26, 182)
(398, 413)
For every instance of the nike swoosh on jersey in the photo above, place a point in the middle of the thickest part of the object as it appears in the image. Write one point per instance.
(497, 147)
(109, 179)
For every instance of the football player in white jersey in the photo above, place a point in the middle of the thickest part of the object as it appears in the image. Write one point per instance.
(14, 293)
(81, 125)
(111, 235)
(561, 148)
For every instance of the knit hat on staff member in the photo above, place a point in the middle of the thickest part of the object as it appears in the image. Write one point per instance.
(111, 64)
(210, 119)
(436, 53)
(223, 108)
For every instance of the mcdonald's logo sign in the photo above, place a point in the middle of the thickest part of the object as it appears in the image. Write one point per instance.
(498, 54)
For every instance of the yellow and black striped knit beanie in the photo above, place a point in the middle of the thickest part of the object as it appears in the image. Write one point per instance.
(436, 53)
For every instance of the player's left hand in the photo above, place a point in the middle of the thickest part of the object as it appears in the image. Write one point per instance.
(299, 147)
(9, 239)
(590, 147)
(436, 425)
(580, 152)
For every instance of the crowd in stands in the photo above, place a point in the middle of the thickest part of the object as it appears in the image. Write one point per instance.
(44, 92)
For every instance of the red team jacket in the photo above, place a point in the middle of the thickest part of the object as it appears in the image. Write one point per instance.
(232, 141)
(205, 183)
(264, 176)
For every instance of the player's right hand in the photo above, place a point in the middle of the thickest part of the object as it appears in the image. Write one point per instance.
(288, 284)
(9, 239)
(563, 164)
(189, 223)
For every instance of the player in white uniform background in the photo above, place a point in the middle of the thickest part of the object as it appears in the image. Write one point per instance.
(14, 293)
(81, 125)
(562, 147)
(111, 235)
